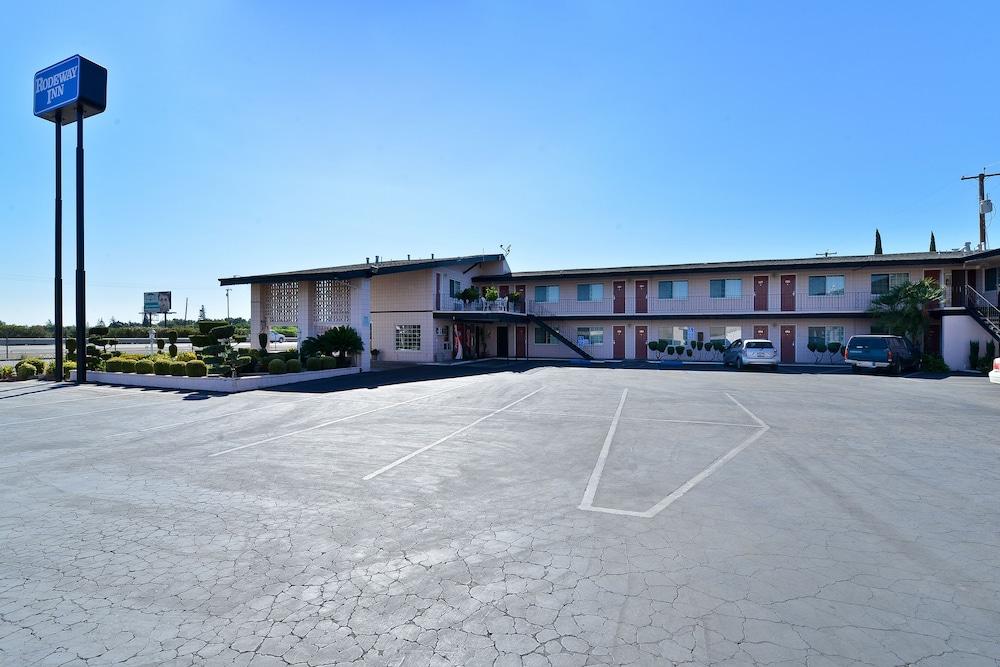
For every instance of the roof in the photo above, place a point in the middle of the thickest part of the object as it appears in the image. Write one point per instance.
(839, 262)
(367, 269)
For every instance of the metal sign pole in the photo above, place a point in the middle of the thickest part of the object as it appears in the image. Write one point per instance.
(81, 274)
(58, 281)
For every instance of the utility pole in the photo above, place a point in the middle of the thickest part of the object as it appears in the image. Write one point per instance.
(227, 303)
(981, 177)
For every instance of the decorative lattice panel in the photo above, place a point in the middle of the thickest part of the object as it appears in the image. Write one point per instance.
(283, 303)
(332, 301)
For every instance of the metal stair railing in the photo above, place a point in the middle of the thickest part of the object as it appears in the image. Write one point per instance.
(982, 311)
(558, 336)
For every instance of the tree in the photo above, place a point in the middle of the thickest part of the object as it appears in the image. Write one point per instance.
(343, 341)
(933, 247)
(201, 313)
(878, 242)
(901, 310)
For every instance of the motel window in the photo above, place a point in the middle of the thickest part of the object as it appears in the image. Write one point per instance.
(544, 337)
(826, 335)
(826, 285)
(591, 292)
(675, 335)
(546, 293)
(883, 282)
(673, 289)
(407, 336)
(991, 280)
(454, 287)
(589, 336)
(725, 334)
(725, 289)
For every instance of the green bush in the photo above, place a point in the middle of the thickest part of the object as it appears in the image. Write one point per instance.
(25, 371)
(128, 365)
(262, 340)
(201, 340)
(293, 365)
(71, 346)
(196, 369)
(187, 356)
(670, 350)
(6, 372)
(240, 339)
(276, 367)
(219, 333)
(689, 352)
(161, 367)
(314, 364)
(67, 367)
(144, 367)
(178, 368)
(172, 351)
(651, 345)
(34, 362)
(329, 363)
(113, 365)
(172, 337)
(933, 363)
(98, 332)
(206, 326)
(973, 354)
(833, 348)
(160, 343)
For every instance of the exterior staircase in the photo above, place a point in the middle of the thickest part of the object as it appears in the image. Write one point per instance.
(558, 336)
(983, 312)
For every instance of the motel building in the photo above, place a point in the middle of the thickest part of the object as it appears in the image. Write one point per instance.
(410, 310)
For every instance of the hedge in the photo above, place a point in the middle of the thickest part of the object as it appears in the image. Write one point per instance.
(206, 326)
(293, 365)
(113, 365)
(219, 333)
(196, 369)
(314, 364)
(25, 371)
(178, 368)
(128, 365)
(276, 367)
(144, 367)
(172, 350)
(329, 363)
(161, 367)
(34, 362)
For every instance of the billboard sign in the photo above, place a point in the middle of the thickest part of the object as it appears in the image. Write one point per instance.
(156, 302)
(74, 81)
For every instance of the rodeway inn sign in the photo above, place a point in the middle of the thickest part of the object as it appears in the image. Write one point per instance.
(74, 82)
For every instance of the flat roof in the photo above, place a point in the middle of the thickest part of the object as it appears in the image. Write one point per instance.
(369, 269)
(839, 262)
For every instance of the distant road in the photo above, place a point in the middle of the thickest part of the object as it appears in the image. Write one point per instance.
(14, 352)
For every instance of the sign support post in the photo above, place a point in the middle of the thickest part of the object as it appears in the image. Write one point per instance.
(58, 282)
(81, 273)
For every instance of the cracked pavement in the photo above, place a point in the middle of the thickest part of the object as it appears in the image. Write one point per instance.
(862, 529)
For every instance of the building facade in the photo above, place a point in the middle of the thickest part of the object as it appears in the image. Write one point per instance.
(420, 310)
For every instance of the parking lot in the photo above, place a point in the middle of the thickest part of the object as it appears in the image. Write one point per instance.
(505, 514)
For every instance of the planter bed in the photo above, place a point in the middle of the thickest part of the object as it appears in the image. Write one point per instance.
(214, 382)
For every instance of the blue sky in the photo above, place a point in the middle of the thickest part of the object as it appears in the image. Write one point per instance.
(250, 137)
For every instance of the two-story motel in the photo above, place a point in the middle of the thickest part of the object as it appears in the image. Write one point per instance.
(410, 311)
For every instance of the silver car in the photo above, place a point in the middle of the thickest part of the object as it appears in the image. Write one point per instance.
(753, 352)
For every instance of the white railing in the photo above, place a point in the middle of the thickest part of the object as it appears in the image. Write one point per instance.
(848, 302)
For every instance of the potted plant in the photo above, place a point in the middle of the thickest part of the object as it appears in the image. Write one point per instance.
(375, 352)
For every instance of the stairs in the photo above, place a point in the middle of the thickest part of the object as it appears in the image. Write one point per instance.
(983, 312)
(558, 336)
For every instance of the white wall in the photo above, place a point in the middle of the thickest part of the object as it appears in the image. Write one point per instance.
(957, 331)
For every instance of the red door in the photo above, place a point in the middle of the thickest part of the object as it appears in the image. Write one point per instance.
(641, 288)
(958, 287)
(521, 342)
(619, 290)
(437, 292)
(788, 343)
(760, 292)
(524, 295)
(619, 333)
(760, 331)
(932, 338)
(788, 292)
(640, 342)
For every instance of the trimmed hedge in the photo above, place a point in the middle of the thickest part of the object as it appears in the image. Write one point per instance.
(293, 365)
(144, 367)
(113, 365)
(172, 337)
(206, 326)
(34, 362)
(128, 365)
(276, 366)
(178, 368)
(25, 371)
(329, 363)
(219, 333)
(196, 369)
(314, 364)
(172, 350)
(161, 367)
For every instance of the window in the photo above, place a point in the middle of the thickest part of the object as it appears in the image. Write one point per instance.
(991, 280)
(725, 289)
(546, 293)
(673, 289)
(725, 334)
(589, 336)
(592, 292)
(826, 285)
(675, 335)
(826, 335)
(543, 337)
(407, 336)
(883, 282)
(454, 287)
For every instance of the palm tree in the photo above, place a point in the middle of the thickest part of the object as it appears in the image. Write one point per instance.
(901, 310)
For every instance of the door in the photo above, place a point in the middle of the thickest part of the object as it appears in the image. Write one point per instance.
(521, 342)
(504, 291)
(640, 342)
(641, 290)
(437, 292)
(619, 333)
(932, 338)
(788, 343)
(524, 296)
(760, 331)
(958, 287)
(619, 293)
(503, 349)
(788, 292)
(760, 292)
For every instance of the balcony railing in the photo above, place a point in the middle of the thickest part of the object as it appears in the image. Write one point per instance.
(848, 302)
(481, 305)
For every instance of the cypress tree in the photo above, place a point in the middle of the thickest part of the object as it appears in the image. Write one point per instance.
(933, 247)
(878, 242)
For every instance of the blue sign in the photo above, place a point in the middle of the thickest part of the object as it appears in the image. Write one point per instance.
(57, 86)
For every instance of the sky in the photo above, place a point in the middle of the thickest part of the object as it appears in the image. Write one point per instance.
(245, 137)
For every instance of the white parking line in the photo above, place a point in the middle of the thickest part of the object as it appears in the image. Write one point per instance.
(447, 437)
(332, 421)
(595, 477)
(542, 413)
(82, 414)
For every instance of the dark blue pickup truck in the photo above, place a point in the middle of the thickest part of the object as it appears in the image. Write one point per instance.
(891, 352)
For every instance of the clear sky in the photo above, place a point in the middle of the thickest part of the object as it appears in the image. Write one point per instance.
(251, 137)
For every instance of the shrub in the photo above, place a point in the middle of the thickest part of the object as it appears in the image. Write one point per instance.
(314, 364)
(128, 365)
(161, 367)
(933, 363)
(329, 363)
(172, 337)
(201, 340)
(71, 346)
(262, 340)
(206, 326)
(293, 365)
(144, 367)
(34, 362)
(67, 367)
(113, 365)
(187, 356)
(25, 371)
(973, 354)
(160, 343)
(240, 339)
(222, 332)
(689, 352)
(276, 366)
(6, 372)
(178, 368)
(670, 350)
(98, 331)
(833, 348)
(196, 369)
(172, 350)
